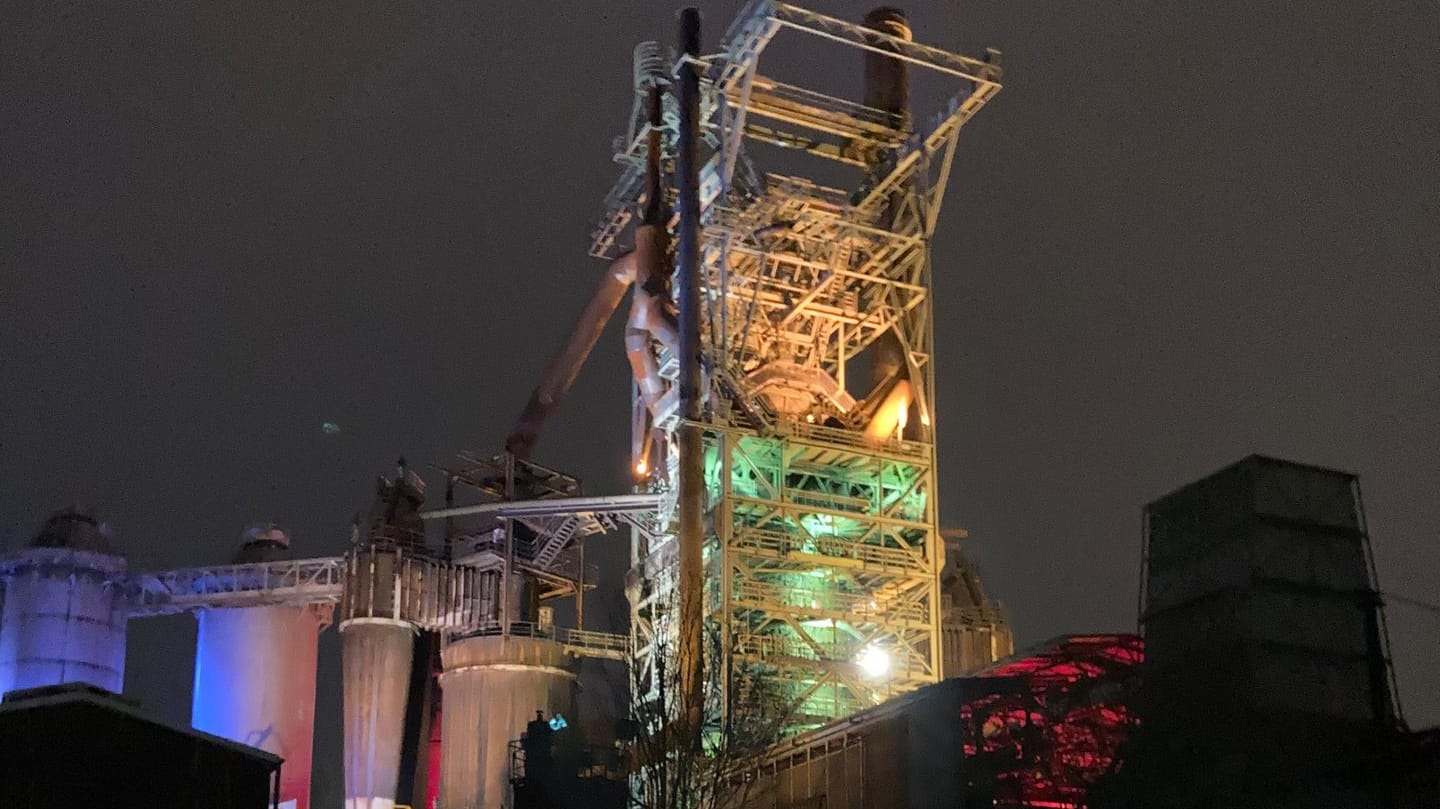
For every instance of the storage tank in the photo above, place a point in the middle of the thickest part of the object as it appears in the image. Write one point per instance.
(65, 607)
(255, 673)
(376, 649)
(492, 688)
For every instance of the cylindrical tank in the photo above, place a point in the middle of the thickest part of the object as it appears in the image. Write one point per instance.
(255, 684)
(492, 687)
(255, 674)
(65, 608)
(384, 593)
(375, 657)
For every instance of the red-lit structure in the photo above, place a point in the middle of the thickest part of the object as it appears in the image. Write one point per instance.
(1038, 729)
(1046, 724)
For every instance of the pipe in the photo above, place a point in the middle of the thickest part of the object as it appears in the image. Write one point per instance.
(561, 372)
(654, 213)
(607, 504)
(649, 319)
(887, 89)
(646, 269)
(691, 477)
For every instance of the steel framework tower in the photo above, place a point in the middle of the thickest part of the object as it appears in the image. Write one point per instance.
(821, 550)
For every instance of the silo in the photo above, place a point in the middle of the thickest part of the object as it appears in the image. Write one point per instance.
(492, 687)
(65, 608)
(377, 647)
(255, 674)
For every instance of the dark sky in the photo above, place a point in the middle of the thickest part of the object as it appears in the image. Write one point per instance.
(1183, 233)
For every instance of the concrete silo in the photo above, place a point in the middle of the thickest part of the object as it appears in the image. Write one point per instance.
(255, 673)
(493, 686)
(383, 581)
(65, 607)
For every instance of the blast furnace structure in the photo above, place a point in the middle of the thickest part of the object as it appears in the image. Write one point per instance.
(787, 416)
(785, 547)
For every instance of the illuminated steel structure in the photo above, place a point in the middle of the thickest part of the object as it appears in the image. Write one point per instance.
(821, 553)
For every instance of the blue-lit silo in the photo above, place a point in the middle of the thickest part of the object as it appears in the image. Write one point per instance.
(255, 674)
(65, 607)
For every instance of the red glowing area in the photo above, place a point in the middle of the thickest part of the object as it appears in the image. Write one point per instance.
(1055, 720)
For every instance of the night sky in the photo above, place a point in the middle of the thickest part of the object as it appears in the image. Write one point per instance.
(1184, 232)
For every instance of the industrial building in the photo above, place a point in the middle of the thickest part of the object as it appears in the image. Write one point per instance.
(1267, 676)
(789, 582)
(77, 745)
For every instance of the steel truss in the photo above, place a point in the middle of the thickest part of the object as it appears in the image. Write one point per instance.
(822, 541)
(450, 593)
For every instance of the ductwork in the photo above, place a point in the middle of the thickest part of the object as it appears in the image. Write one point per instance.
(650, 320)
(644, 268)
(561, 373)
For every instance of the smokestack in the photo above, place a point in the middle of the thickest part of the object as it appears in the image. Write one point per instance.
(887, 90)
(887, 79)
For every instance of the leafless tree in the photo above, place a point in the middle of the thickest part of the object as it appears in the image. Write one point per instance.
(686, 762)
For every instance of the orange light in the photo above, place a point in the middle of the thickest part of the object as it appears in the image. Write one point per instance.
(641, 467)
(890, 417)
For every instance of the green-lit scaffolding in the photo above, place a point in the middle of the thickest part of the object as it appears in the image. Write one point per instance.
(823, 557)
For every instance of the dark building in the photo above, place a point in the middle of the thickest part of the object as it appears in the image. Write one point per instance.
(1267, 678)
(553, 766)
(1037, 729)
(79, 746)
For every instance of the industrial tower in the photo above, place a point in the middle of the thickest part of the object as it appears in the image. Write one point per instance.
(810, 510)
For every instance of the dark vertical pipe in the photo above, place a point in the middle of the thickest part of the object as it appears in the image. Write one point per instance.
(887, 79)
(887, 89)
(449, 503)
(580, 588)
(506, 610)
(654, 213)
(692, 480)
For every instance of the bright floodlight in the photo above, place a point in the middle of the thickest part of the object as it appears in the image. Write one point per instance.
(874, 661)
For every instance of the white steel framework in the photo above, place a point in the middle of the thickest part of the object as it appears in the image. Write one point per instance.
(822, 541)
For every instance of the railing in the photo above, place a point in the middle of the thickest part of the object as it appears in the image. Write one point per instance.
(587, 643)
(771, 646)
(818, 433)
(577, 642)
(860, 607)
(784, 544)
